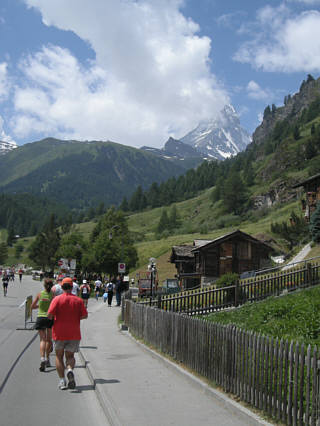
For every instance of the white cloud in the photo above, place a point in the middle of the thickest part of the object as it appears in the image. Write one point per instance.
(151, 77)
(228, 19)
(283, 42)
(307, 2)
(3, 135)
(256, 92)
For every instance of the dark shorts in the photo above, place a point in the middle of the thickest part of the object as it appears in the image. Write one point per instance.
(42, 323)
(5, 284)
(85, 296)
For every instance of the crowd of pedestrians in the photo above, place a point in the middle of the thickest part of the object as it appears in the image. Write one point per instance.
(7, 275)
(61, 306)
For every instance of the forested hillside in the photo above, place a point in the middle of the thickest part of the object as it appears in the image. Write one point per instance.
(25, 214)
(264, 173)
(82, 174)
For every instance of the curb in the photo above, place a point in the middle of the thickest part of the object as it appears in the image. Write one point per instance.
(105, 401)
(237, 409)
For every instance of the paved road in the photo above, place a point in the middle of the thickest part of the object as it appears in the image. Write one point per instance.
(28, 397)
(299, 257)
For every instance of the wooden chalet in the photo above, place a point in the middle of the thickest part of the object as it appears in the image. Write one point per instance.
(312, 191)
(183, 258)
(234, 252)
(206, 261)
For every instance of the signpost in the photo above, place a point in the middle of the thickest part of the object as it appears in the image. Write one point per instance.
(67, 265)
(27, 313)
(121, 268)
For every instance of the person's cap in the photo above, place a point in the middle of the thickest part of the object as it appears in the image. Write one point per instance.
(84, 281)
(67, 280)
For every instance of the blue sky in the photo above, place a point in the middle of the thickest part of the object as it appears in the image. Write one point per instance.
(138, 71)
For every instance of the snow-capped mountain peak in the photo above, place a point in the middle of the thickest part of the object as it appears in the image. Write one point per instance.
(221, 137)
(6, 147)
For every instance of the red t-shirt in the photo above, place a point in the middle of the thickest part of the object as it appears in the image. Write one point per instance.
(67, 310)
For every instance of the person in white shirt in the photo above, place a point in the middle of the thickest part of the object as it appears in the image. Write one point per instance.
(97, 286)
(75, 288)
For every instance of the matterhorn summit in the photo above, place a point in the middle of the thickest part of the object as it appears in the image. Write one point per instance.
(6, 147)
(219, 138)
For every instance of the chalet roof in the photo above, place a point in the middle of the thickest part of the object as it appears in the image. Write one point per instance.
(230, 235)
(310, 179)
(182, 251)
(199, 243)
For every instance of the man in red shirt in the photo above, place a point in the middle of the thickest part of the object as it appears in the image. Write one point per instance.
(67, 310)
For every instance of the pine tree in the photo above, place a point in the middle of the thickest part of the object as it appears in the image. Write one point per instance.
(315, 224)
(163, 222)
(100, 209)
(10, 237)
(234, 194)
(138, 200)
(124, 206)
(3, 253)
(310, 150)
(43, 250)
(174, 219)
(296, 133)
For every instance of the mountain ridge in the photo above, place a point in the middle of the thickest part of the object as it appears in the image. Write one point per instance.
(217, 139)
(100, 171)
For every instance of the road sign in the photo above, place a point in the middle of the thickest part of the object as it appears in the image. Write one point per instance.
(121, 268)
(67, 264)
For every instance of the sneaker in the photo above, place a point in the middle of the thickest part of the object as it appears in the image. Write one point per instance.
(62, 384)
(42, 366)
(71, 381)
(48, 364)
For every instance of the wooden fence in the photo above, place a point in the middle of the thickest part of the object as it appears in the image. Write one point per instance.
(205, 301)
(280, 378)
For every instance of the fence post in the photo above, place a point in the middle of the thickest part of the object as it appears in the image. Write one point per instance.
(309, 273)
(159, 301)
(236, 293)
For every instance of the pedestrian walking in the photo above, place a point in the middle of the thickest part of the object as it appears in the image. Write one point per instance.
(118, 290)
(110, 292)
(98, 285)
(12, 272)
(20, 272)
(43, 324)
(67, 310)
(85, 292)
(57, 289)
(5, 282)
(75, 288)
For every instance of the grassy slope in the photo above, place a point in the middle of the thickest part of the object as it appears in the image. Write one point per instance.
(292, 317)
(194, 213)
(161, 249)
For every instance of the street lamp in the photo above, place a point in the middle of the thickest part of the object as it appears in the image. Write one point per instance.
(152, 268)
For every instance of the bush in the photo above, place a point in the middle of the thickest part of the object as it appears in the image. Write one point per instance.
(227, 279)
(228, 220)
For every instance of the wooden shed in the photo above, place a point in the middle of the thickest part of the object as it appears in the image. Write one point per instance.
(183, 258)
(312, 192)
(234, 252)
